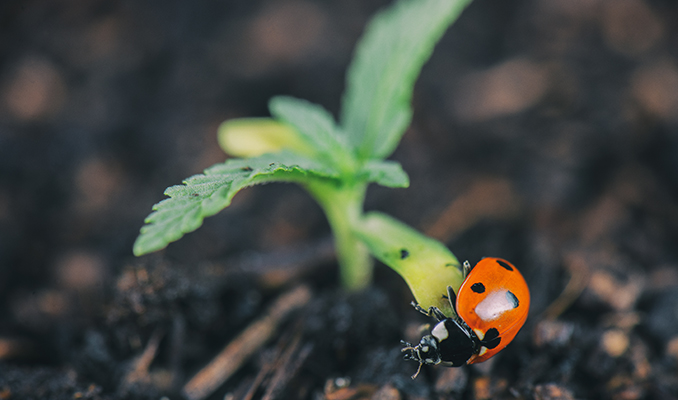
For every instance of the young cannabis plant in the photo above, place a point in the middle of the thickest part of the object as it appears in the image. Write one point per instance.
(335, 160)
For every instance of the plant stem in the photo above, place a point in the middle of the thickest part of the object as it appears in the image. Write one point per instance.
(343, 208)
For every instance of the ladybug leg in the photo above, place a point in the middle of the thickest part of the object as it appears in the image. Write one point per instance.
(419, 308)
(466, 269)
(452, 297)
(437, 313)
(418, 371)
(432, 312)
(453, 302)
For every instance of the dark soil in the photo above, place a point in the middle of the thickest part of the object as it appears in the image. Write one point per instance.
(545, 132)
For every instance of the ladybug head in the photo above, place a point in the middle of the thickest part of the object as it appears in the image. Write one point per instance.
(426, 352)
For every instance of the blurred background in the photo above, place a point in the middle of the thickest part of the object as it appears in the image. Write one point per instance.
(544, 132)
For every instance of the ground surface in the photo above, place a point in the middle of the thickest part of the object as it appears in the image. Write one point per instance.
(545, 132)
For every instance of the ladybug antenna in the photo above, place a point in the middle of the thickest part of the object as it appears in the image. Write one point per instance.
(418, 370)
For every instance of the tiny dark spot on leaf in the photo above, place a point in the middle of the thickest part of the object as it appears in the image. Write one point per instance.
(195, 195)
(271, 164)
(404, 254)
(478, 287)
(505, 265)
(246, 169)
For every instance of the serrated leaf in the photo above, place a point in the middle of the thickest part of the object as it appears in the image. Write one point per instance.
(315, 125)
(206, 194)
(386, 173)
(376, 107)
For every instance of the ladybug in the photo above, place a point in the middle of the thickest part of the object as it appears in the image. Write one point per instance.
(490, 308)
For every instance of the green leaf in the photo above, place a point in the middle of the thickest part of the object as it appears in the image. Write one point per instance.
(316, 126)
(386, 173)
(206, 194)
(376, 107)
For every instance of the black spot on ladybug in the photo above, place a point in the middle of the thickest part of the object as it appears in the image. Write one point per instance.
(247, 169)
(491, 334)
(404, 254)
(505, 265)
(491, 339)
(478, 287)
(513, 299)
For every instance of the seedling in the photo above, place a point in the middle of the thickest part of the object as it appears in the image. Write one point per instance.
(335, 161)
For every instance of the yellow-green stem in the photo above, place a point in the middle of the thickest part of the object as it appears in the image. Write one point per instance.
(343, 208)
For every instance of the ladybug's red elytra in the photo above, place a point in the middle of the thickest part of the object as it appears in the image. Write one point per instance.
(491, 306)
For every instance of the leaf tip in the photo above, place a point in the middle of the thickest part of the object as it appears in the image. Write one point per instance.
(148, 242)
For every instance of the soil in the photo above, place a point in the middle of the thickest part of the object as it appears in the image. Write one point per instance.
(545, 132)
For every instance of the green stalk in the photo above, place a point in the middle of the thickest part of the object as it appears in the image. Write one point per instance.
(427, 265)
(343, 207)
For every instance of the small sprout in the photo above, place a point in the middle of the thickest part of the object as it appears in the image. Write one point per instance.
(335, 161)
